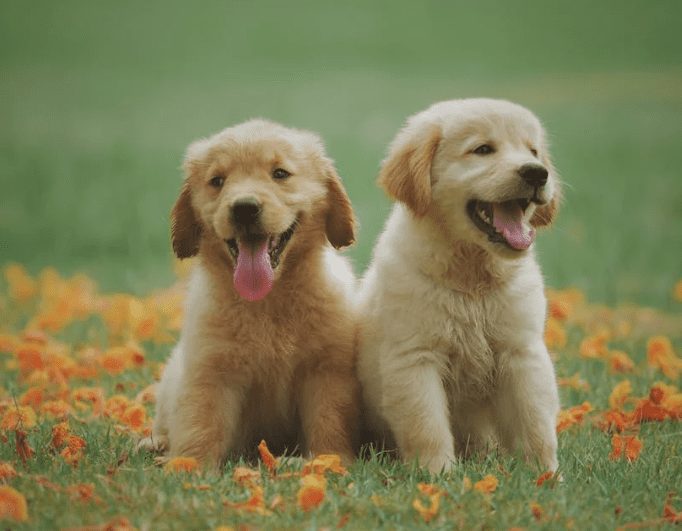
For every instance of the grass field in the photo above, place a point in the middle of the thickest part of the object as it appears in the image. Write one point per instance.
(97, 103)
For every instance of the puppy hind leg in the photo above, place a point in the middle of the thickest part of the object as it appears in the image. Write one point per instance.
(329, 405)
(415, 405)
(206, 421)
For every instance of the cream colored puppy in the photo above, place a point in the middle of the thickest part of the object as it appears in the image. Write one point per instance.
(267, 345)
(451, 350)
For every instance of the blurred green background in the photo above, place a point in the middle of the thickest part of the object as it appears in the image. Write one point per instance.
(99, 99)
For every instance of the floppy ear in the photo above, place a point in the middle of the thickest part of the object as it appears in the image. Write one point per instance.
(406, 172)
(544, 215)
(340, 222)
(185, 227)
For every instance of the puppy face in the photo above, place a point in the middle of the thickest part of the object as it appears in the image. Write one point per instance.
(259, 190)
(482, 167)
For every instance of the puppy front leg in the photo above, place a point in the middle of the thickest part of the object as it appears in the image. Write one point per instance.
(415, 405)
(329, 404)
(207, 415)
(527, 405)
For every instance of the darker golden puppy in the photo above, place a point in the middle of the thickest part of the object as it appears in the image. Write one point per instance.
(266, 349)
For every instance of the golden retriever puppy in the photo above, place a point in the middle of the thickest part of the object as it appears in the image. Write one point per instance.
(452, 307)
(267, 345)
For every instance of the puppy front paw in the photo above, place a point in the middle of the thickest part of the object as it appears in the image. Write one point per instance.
(437, 463)
(155, 444)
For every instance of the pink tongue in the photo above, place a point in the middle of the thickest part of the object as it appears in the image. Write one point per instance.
(508, 220)
(253, 275)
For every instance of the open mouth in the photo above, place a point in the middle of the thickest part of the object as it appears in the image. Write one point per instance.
(503, 222)
(256, 256)
(275, 244)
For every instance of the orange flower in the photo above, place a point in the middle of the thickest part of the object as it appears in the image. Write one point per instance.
(536, 509)
(116, 405)
(73, 452)
(562, 304)
(83, 492)
(619, 394)
(616, 420)
(646, 410)
(30, 358)
(266, 456)
(660, 354)
(59, 434)
(32, 397)
(555, 334)
(544, 477)
(312, 491)
(324, 462)
(428, 512)
(574, 415)
(18, 417)
(677, 291)
(254, 504)
(147, 395)
(92, 395)
(55, 408)
(620, 361)
(246, 476)
(487, 485)
(673, 405)
(574, 382)
(21, 286)
(628, 446)
(134, 417)
(7, 471)
(182, 464)
(12, 504)
(8, 343)
(144, 320)
(117, 359)
(669, 512)
(595, 346)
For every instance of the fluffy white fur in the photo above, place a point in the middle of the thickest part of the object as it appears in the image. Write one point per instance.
(451, 350)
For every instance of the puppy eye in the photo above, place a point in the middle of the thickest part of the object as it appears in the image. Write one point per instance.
(534, 152)
(217, 181)
(484, 149)
(280, 173)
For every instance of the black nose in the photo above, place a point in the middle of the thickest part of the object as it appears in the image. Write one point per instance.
(246, 210)
(534, 174)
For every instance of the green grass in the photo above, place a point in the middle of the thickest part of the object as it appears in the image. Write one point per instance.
(98, 101)
(596, 492)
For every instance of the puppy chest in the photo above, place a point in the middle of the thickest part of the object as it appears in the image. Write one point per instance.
(472, 351)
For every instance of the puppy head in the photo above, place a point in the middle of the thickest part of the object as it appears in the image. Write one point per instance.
(481, 166)
(259, 191)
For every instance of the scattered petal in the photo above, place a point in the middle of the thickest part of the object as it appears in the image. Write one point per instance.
(12, 505)
(312, 491)
(266, 456)
(182, 464)
(487, 485)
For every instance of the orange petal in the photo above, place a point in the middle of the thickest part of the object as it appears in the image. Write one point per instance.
(12, 504)
(312, 491)
(266, 456)
(246, 476)
(21, 417)
(7, 470)
(182, 464)
(324, 462)
(487, 485)
(620, 394)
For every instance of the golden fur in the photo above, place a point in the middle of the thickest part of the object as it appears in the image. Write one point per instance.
(451, 350)
(280, 368)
